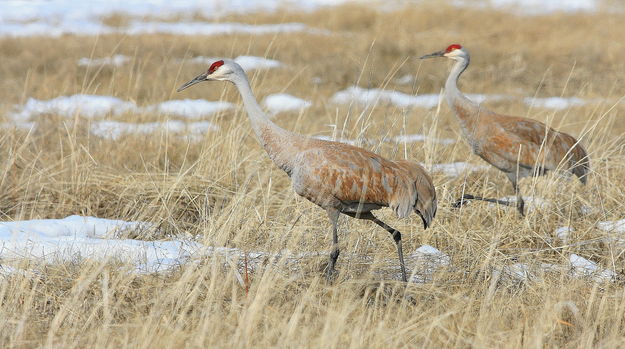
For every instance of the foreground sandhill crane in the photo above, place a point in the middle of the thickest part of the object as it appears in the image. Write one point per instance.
(519, 147)
(338, 177)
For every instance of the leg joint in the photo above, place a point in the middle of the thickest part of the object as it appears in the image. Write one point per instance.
(396, 235)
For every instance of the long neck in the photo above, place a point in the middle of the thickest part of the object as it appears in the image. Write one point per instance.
(260, 121)
(451, 85)
(276, 140)
(465, 110)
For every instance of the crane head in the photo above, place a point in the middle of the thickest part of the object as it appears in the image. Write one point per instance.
(218, 71)
(453, 51)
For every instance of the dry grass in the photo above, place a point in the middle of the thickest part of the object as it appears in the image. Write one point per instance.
(227, 191)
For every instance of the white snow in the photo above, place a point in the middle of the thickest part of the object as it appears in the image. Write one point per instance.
(114, 129)
(404, 80)
(427, 260)
(413, 138)
(584, 268)
(75, 238)
(89, 106)
(248, 63)
(192, 108)
(531, 202)
(252, 62)
(536, 7)
(116, 61)
(57, 17)
(282, 102)
(86, 27)
(612, 226)
(563, 233)
(557, 103)
(455, 169)
(203, 28)
(94, 106)
(370, 97)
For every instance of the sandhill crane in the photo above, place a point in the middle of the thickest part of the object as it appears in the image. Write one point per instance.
(337, 177)
(519, 147)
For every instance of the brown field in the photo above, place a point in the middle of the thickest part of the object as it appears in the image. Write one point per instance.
(225, 189)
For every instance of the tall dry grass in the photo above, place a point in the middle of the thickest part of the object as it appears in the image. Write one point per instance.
(225, 190)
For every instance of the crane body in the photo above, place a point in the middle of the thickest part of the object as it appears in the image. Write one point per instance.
(338, 177)
(519, 147)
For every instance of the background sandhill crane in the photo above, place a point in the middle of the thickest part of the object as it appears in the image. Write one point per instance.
(338, 177)
(520, 147)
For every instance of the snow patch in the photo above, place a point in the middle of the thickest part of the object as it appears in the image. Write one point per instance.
(282, 102)
(532, 203)
(557, 103)
(191, 108)
(427, 260)
(584, 268)
(612, 226)
(563, 233)
(116, 61)
(76, 238)
(94, 106)
(89, 106)
(114, 129)
(456, 169)
(413, 138)
(248, 63)
(404, 80)
(370, 97)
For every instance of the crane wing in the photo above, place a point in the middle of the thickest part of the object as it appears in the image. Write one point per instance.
(357, 180)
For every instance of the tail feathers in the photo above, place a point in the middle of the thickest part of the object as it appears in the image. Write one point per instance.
(426, 204)
(579, 161)
(415, 193)
(581, 164)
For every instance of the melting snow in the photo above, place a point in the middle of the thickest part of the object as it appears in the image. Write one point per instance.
(282, 102)
(584, 268)
(405, 80)
(116, 61)
(612, 226)
(246, 62)
(373, 96)
(427, 260)
(455, 169)
(421, 138)
(370, 97)
(92, 106)
(192, 108)
(541, 7)
(115, 129)
(554, 102)
(89, 106)
(252, 62)
(531, 202)
(203, 28)
(76, 237)
(563, 233)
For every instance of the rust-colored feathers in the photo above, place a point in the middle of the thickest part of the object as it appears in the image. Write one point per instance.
(353, 179)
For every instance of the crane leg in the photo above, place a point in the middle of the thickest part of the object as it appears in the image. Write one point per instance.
(520, 204)
(333, 215)
(394, 232)
(467, 197)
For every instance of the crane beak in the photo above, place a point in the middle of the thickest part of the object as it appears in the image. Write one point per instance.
(197, 79)
(434, 55)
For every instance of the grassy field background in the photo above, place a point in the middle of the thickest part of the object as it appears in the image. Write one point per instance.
(225, 190)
